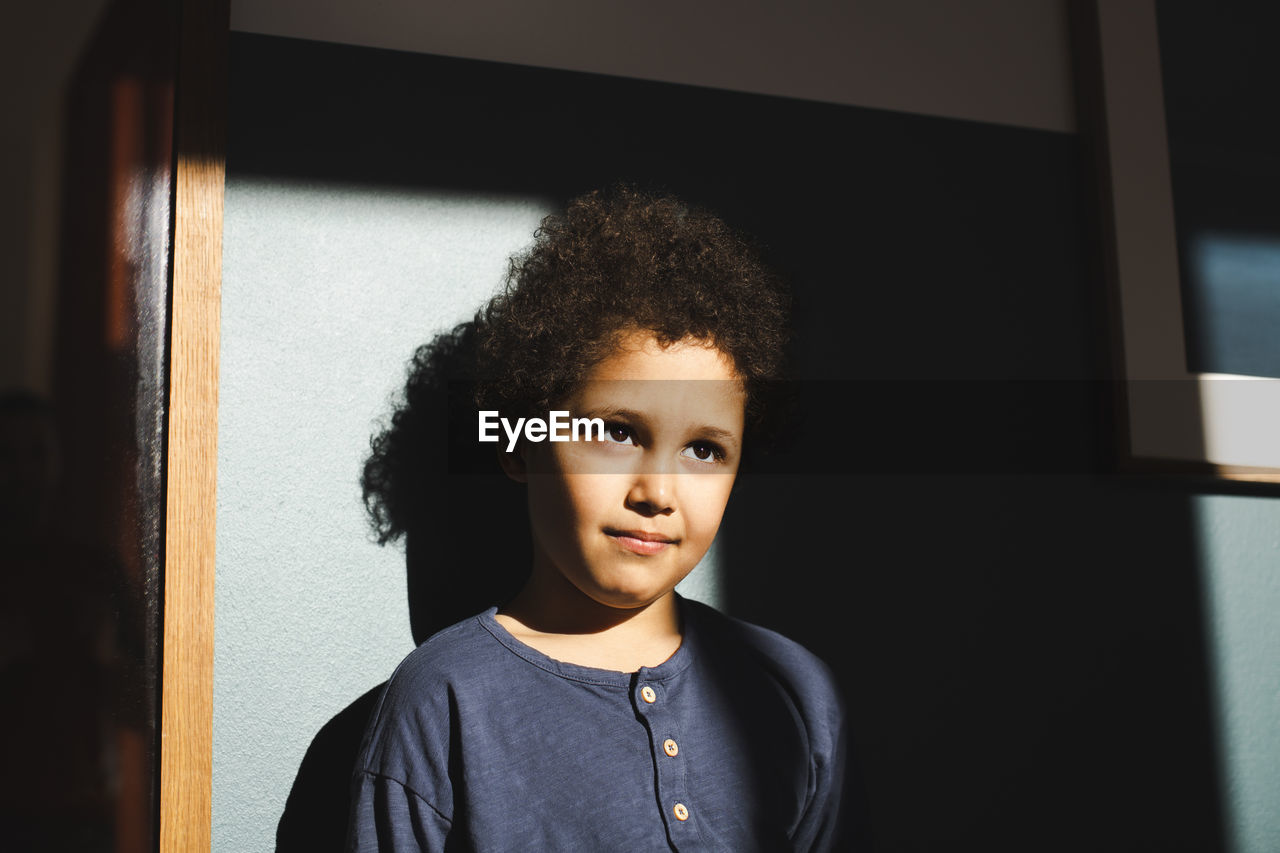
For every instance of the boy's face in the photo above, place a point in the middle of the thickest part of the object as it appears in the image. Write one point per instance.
(625, 519)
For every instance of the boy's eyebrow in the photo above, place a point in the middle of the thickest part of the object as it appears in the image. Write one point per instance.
(612, 412)
(716, 432)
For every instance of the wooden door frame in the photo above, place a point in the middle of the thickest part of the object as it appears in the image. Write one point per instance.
(186, 703)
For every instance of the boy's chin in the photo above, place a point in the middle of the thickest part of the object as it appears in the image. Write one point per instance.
(627, 599)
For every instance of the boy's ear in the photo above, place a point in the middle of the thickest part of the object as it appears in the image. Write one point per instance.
(513, 463)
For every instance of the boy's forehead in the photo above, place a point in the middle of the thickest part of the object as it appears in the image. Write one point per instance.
(687, 382)
(670, 396)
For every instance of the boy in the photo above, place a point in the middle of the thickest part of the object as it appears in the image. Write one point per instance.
(596, 709)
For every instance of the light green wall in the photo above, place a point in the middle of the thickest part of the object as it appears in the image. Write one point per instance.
(1240, 564)
(326, 293)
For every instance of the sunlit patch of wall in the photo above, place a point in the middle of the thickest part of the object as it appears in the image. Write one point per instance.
(1241, 583)
(327, 291)
(705, 583)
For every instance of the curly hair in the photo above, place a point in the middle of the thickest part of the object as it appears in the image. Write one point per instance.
(616, 261)
(424, 440)
(623, 260)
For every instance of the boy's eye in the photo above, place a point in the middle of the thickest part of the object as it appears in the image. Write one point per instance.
(618, 434)
(703, 452)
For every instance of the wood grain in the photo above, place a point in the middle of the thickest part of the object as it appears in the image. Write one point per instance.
(1243, 474)
(186, 709)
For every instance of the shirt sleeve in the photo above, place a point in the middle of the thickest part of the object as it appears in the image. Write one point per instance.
(821, 827)
(388, 817)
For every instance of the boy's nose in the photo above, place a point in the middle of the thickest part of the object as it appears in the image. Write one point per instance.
(653, 492)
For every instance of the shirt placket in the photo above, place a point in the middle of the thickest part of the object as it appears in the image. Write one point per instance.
(678, 808)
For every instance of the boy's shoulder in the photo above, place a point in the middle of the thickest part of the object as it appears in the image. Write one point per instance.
(445, 655)
(420, 691)
(784, 659)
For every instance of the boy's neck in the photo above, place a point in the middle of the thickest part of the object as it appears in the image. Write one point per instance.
(569, 626)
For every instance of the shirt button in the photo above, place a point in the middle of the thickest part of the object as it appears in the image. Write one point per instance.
(670, 748)
(647, 694)
(681, 812)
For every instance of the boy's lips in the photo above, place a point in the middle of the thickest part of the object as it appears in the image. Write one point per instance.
(640, 541)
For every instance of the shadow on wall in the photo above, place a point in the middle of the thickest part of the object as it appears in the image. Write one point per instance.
(467, 547)
(1018, 638)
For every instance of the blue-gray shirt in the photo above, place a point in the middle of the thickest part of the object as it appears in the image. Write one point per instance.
(481, 742)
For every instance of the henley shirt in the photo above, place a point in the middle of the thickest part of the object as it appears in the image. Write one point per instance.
(481, 742)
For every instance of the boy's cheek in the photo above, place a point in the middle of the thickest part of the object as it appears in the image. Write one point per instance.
(594, 457)
(562, 498)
